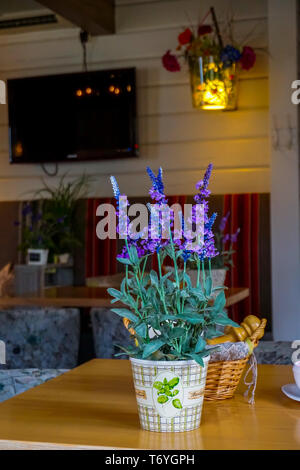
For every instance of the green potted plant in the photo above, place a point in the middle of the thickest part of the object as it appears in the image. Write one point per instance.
(37, 235)
(60, 204)
(169, 320)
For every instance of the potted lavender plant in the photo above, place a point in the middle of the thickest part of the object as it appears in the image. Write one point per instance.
(170, 321)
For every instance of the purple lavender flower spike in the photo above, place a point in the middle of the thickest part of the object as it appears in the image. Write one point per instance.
(211, 221)
(149, 246)
(223, 222)
(207, 174)
(208, 249)
(152, 175)
(115, 187)
(159, 180)
(234, 236)
(157, 190)
(160, 174)
(202, 186)
(186, 255)
(226, 238)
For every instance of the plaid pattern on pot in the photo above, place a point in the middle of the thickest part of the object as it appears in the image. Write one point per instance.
(169, 394)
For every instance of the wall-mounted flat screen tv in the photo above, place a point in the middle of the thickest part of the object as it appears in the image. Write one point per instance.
(73, 117)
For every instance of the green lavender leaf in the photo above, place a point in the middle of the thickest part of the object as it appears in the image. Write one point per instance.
(220, 302)
(222, 320)
(200, 345)
(142, 330)
(115, 293)
(153, 346)
(125, 313)
(177, 332)
(154, 278)
(125, 261)
(208, 286)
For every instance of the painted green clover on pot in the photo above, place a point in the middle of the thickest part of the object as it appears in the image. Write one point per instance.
(165, 392)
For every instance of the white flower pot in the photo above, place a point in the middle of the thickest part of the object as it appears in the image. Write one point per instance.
(159, 412)
(37, 257)
(64, 258)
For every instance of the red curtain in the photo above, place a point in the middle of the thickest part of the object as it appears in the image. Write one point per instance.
(100, 255)
(244, 214)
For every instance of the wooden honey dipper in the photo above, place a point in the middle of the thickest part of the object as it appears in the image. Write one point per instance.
(251, 326)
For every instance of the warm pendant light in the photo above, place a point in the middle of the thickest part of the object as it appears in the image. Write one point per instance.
(213, 94)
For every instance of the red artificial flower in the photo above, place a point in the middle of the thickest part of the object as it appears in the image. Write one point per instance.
(248, 58)
(170, 62)
(185, 37)
(204, 29)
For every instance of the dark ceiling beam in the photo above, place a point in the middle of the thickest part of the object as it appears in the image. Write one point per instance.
(94, 16)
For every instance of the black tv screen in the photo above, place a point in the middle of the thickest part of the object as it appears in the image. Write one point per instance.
(73, 117)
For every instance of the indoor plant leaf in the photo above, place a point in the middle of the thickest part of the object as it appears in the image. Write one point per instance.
(142, 330)
(220, 302)
(124, 312)
(177, 332)
(226, 321)
(200, 345)
(124, 261)
(208, 286)
(153, 346)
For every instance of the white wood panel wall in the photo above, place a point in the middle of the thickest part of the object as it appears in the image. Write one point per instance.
(285, 187)
(171, 133)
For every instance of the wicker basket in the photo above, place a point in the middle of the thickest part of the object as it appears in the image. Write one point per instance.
(223, 376)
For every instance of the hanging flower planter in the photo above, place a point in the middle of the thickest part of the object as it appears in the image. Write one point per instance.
(213, 68)
(213, 86)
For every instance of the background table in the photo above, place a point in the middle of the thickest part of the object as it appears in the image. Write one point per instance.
(87, 297)
(94, 406)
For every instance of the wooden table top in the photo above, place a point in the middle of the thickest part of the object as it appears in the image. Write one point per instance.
(94, 406)
(91, 297)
